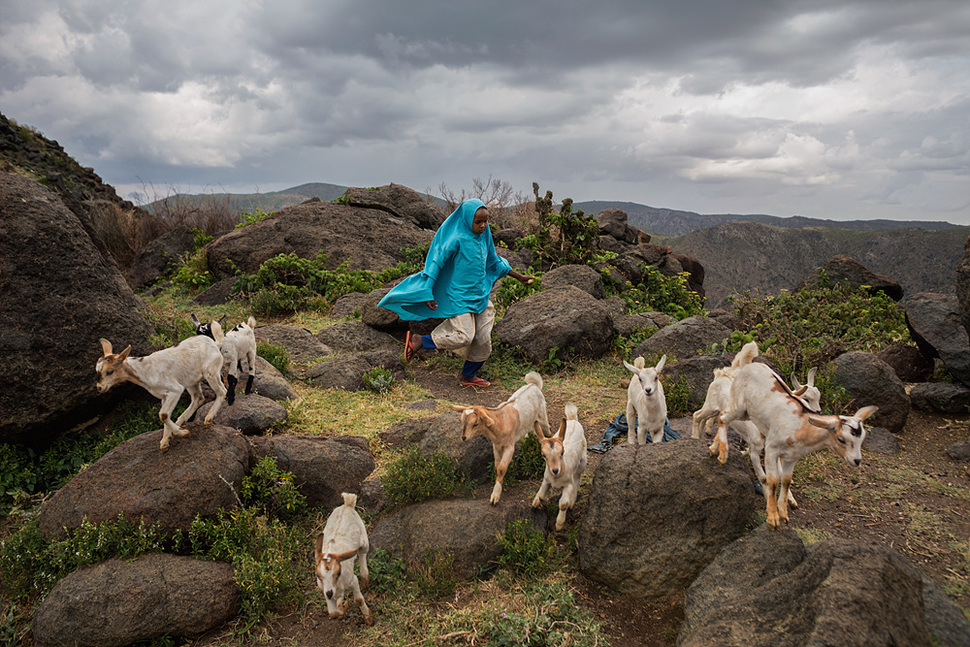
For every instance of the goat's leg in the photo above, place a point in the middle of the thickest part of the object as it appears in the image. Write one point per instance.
(566, 501)
(251, 360)
(503, 457)
(169, 400)
(719, 444)
(364, 573)
(541, 495)
(195, 392)
(703, 417)
(755, 456)
(773, 469)
(787, 467)
(631, 416)
(214, 379)
(359, 598)
(657, 435)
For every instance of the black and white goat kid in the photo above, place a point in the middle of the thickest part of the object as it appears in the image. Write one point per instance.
(237, 344)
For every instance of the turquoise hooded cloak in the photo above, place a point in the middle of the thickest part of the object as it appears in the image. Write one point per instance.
(459, 271)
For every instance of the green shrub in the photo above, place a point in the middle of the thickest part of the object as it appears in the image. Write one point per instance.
(378, 379)
(275, 355)
(527, 550)
(435, 575)
(527, 462)
(249, 218)
(388, 574)
(415, 477)
(511, 290)
(272, 491)
(192, 272)
(660, 293)
(30, 564)
(677, 395)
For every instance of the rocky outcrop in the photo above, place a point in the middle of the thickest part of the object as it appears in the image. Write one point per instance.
(59, 296)
(936, 326)
(300, 344)
(252, 415)
(121, 602)
(158, 257)
(583, 277)
(350, 336)
(678, 508)
(842, 269)
(442, 435)
(870, 381)
(683, 339)
(198, 475)
(346, 370)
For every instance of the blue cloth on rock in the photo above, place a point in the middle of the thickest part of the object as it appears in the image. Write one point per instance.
(459, 271)
(619, 427)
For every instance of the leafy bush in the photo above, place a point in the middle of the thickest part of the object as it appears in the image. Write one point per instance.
(660, 293)
(192, 273)
(560, 237)
(553, 618)
(378, 379)
(388, 574)
(30, 564)
(677, 395)
(274, 354)
(811, 327)
(414, 477)
(527, 550)
(510, 290)
(272, 491)
(249, 218)
(527, 462)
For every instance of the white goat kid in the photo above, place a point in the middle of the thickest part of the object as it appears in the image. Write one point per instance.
(237, 344)
(343, 539)
(645, 402)
(719, 391)
(790, 431)
(166, 374)
(565, 456)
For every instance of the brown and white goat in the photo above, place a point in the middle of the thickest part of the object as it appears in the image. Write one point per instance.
(565, 456)
(789, 430)
(343, 539)
(168, 373)
(645, 402)
(506, 424)
(237, 344)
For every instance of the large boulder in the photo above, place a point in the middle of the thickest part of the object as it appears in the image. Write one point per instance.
(323, 468)
(442, 435)
(936, 325)
(252, 414)
(906, 360)
(869, 380)
(679, 508)
(364, 237)
(346, 370)
(683, 339)
(941, 397)
(613, 222)
(465, 530)
(270, 383)
(58, 296)
(843, 269)
(696, 373)
(398, 201)
(561, 319)
(198, 475)
(158, 257)
(583, 277)
(300, 344)
(963, 286)
(121, 602)
(767, 589)
(355, 336)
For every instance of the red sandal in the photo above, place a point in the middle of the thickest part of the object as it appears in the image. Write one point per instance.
(475, 381)
(409, 350)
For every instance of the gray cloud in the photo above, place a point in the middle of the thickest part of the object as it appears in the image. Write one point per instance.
(823, 108)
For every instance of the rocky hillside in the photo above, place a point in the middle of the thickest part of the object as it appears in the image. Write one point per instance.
(764, 259)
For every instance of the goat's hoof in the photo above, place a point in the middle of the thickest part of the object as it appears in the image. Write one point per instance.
(537, 502)
(364, 583)
(206, 423)
(162, 449)
(369, 620)
(181, 433)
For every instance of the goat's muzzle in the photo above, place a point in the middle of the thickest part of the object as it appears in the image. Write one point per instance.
(330, 595)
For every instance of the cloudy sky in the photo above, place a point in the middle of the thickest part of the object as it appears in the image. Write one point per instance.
(831, 109)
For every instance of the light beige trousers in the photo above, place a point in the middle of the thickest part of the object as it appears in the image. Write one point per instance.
(468, 335)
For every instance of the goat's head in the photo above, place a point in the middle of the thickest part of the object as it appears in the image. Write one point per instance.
(205, 328)
(846, 433)
(328, 570)
(111, 368)
(475, 421)
(811, 395)
(552, 447)
(649, 376)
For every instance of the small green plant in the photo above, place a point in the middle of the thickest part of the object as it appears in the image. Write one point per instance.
(510, 290)
(435, 575)
(192, 273)
(274, 354)
(272, 491)
(415, 477)
(526, 549)
(677, 394)
(388, 574)
(378, 379)
(657, 292)
(527, 462)
(200, 239)
(250, 218)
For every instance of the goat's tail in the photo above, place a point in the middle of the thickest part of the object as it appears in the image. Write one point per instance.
(570, 411)
(533, 378)
(746, 355)
(217, 333)
(349, 499)
(640, 362)
(251, 322)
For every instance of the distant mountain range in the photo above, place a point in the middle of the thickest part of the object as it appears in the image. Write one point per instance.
(757, 252)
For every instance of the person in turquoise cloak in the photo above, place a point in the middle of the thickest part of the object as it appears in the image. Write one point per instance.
(459, 271)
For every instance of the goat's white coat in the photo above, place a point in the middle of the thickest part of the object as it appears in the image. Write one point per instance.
(789, 431)
(343, 539)
(506, 424)
(645, 402)
(166, 374)
(236, 345)
(565, 456)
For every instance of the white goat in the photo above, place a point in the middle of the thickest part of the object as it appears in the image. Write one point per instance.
(790, 431)
(343, 539)
(719, 391)
(166, 374)
(238, 343)
(645, 402)
(565, 456)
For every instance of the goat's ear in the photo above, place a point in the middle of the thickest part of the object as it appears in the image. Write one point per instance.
(105, 347)
(195, 320)
(536, 427)
(800, 390)
(562, 428)
(830, 424)
(660, 365)
(630, 367)
(345, 555)
(865, 412)
(124, 354)
(458, 407)
(811, 376)
(487, 419)
(318, 549)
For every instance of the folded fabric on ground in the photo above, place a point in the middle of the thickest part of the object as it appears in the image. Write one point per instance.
(619, 427)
